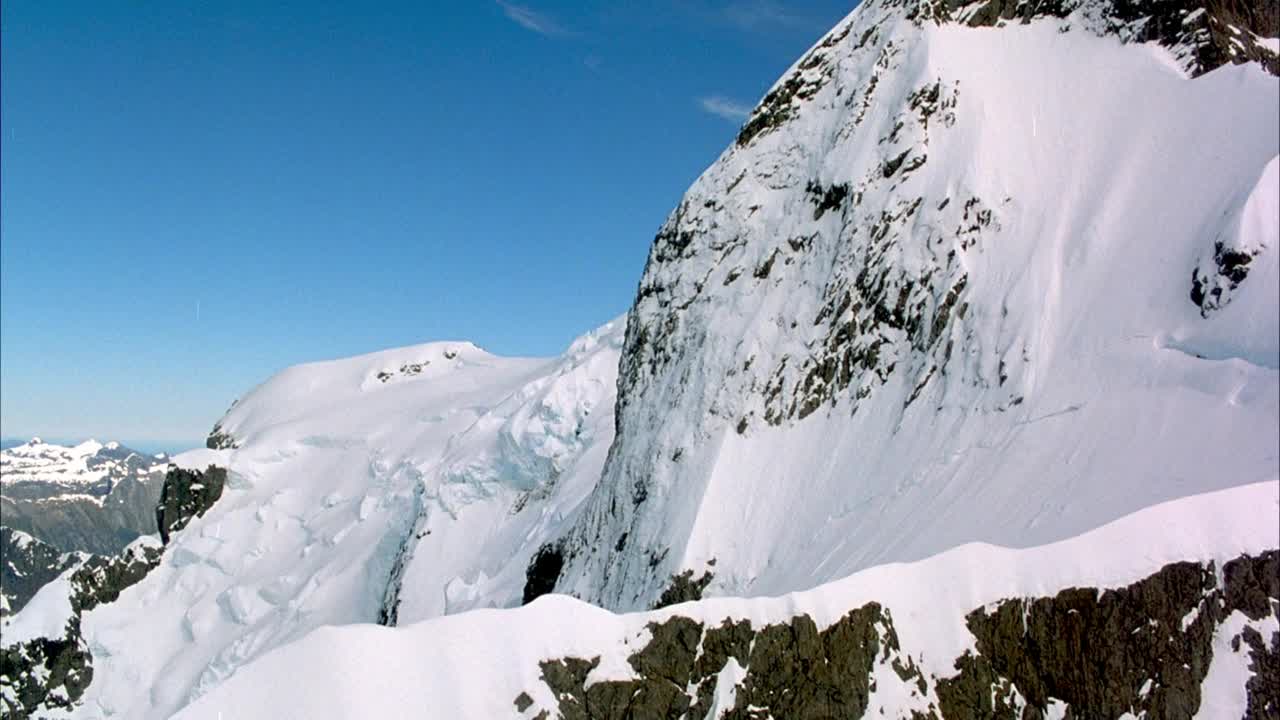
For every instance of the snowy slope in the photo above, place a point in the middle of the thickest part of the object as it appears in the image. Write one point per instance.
(950, 285)
(474, 665)
(340, 479)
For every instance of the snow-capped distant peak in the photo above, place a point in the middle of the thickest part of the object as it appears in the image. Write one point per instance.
(88, 467)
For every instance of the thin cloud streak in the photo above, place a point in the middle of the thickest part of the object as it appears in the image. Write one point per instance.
(532, 20)
(725, 108)
(761, 14)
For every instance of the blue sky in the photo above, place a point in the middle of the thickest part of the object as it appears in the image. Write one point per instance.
(194, 195)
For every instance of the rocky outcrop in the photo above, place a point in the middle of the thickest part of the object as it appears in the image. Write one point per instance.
(1143, 649)
(791, 670)
(50, 673)
(26, 565)
(219, 439)
(44, 674)
(1202, 35)
(543, 571)
(187, 494)
(683, 588)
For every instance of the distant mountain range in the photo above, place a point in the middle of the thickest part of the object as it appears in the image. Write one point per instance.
(91, 497)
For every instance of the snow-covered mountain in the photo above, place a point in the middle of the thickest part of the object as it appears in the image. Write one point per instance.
(979, 284)
(951, 390)
(91, 497)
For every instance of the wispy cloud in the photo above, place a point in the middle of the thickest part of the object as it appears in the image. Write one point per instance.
(530, 19)
(731, 110)
(762, 15)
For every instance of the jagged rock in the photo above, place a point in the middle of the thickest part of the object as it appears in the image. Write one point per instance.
(101, 580)
(26, 565)
(187, 494)
(1142, 649)
(1211, 291)
(219, 439)
(683, 588)
(44, 674)
(794, 670)
(1203, 35)
(48, 673)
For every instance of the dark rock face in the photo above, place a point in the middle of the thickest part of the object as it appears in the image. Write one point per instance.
(187, 494)
(683, 588)
(1094, 651)
(544, 570)
(48, 673)
(220, 440)
(101, 580)
(794, 670)
(44, 674)
(26, 565)
(1143, 649)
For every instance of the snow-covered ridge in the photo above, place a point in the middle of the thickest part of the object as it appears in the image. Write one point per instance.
(351, 500)
(476, 664)
(304, 390)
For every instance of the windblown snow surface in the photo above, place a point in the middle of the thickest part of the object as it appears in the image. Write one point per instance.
(962, 315)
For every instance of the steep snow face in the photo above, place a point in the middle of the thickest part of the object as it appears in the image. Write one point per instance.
(943, 289)
(401, 484)
(509, 482)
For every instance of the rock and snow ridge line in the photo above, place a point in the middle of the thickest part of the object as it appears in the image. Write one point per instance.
(45, 662)
(421, 496)
(26, 565)
(900, 638)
